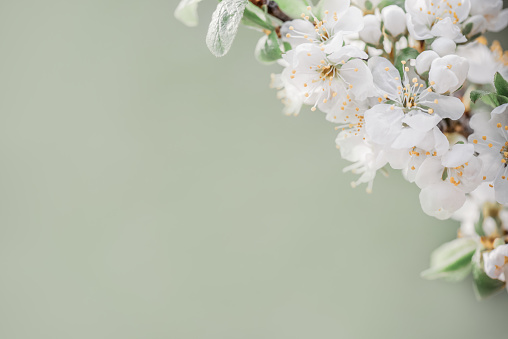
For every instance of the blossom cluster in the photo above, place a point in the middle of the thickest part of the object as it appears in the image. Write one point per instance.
(408, 85)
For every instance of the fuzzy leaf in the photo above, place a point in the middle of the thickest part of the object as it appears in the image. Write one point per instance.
(268, 48)
(224, 26)
(501, 85)
(451, 261)
(187, 12)
(491, 99)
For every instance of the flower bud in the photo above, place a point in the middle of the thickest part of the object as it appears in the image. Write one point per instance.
(444, 46)
(424, 60)
(394, 19)
(371, 32)
(448, 73)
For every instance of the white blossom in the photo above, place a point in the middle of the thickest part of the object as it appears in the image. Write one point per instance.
(394, 20)
(490, 139)
(333, 19)
(447, 74)
(408, 111)
(484, 62)
(492, 12)
(496, 262)
(438, 18)
(371, 32)
(325, 78)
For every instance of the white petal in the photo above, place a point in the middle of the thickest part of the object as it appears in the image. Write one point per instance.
(383, 124)
(356, 73)
(424, 60)
(444, 46)
(444, 106)
(422, 122)
(441, 200)
(458, 155)
(430, 172)
(385, 75)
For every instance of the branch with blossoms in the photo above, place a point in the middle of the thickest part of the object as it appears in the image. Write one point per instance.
(411, 85)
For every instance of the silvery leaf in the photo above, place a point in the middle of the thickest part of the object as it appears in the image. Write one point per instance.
(224, 25)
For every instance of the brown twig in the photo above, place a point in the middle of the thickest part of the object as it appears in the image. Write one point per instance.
(273, 9)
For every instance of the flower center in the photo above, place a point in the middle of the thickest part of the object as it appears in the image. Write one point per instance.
(440, 10)
(504, 153)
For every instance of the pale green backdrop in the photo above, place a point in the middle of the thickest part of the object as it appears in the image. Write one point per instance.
(150, 190)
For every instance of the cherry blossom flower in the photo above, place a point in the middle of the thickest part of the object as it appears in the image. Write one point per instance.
(484, 62)
(491, 12)
(408, 110)
(496, 262)
(333, 20)
(490, 140)
(437, 18)
(324, 78)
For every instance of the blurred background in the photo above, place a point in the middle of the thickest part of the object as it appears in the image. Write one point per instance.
(150, 190)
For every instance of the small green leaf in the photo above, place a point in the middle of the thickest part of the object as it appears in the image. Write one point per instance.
(368, 5)
(475, 95)
(491, 99)
(268, 48)
(404, 55)
(293, 8)
(452, 260)
(224, 26)
(478, 227)
(501, 85)
(256, 17)
(386, 3)
(484, 286)
(444, 176)
(467, 29)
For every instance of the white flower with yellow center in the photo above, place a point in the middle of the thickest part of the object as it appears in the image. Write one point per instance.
(428, 19)
(484, 62)
(324, 80)
(496, 262)
(326, 26)
(490, 139)
(491, 11)
(408, 110)
(445, 180)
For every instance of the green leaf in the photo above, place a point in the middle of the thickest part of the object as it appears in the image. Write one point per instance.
(386, 3)
(452, 260)
(467, 29)
(187, 12)
(491, 99)
(478, 227)
(475, 95)
(368, 5)
(293, 8)
(501, 85)
(287, 46)
(484, 286)
(268, 48)
(256, 17)
(404, 55)
(224, 26)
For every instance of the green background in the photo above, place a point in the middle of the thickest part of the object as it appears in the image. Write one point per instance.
(150, 190)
